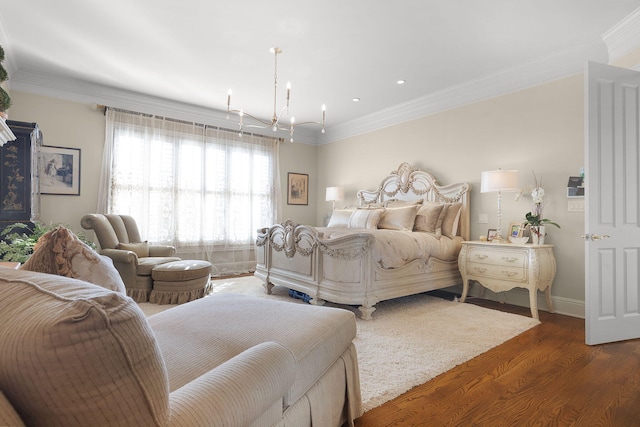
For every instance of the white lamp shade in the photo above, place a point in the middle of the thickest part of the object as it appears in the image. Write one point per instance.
(334, 193)
(499, 180)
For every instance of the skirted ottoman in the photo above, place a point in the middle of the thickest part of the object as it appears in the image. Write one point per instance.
(178, 282)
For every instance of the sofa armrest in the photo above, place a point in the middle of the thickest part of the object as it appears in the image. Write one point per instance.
(161, 250)
(126, 262)
(236, 392)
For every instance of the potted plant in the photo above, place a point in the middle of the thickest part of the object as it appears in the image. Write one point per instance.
(19, 239)
(534, 218)
(5, 99)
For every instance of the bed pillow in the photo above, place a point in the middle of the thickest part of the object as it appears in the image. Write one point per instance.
(340, 218)
(365, 218)
(429, 218)
(451, 219)
(395, 203)
(140, 249)
(401, 218)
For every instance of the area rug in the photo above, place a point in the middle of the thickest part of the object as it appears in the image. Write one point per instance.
(409, 341)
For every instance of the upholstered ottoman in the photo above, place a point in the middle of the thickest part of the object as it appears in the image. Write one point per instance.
(178, 282)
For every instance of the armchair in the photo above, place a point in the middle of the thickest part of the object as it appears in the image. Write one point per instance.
(119, 239)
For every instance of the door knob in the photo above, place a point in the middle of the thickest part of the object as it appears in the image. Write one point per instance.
(595, 236)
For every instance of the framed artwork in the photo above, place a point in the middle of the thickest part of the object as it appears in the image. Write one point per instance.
(516, 229)
(491, 234)
(297, 188)
(59, 170)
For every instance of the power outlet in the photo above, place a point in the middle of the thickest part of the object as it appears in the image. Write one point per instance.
(483, 219)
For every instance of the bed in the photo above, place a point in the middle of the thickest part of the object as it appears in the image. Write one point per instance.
(402, 239)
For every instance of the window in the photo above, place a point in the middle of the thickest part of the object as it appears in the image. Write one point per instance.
(204, 190)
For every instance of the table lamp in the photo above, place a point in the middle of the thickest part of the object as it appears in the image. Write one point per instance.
(333, 194)
(499, 181)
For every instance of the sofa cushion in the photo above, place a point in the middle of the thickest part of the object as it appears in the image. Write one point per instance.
(222, 326)
(76, 354)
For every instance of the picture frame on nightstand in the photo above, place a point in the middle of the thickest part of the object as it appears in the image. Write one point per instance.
(516, 229)
(491, 234)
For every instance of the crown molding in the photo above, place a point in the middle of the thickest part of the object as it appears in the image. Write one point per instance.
(623, 37)
(551, 68)
(83, 92)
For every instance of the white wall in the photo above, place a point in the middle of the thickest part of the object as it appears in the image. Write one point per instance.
(539, 129)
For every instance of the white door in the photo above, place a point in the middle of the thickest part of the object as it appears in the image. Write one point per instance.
(612, 221)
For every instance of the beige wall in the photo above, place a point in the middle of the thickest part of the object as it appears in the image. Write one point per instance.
(538, 129)
(75, 125)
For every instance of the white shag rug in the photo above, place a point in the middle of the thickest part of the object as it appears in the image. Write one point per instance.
(409, 341)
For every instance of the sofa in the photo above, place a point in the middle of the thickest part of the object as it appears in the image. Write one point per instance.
(75, 353)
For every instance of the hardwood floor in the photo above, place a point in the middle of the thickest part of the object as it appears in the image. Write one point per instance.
(546, 376)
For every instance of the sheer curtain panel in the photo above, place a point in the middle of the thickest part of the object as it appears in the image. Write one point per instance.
(204, 190)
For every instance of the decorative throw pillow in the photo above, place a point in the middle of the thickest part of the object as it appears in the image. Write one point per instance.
(451, 220)
(60, 252)
(429, 218)
(365, 218)
(340, 218)
(141, 249)
(401, 218)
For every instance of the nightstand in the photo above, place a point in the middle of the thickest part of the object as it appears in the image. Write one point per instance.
(504, 266)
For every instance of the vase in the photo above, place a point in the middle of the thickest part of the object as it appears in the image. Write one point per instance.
(537, 234)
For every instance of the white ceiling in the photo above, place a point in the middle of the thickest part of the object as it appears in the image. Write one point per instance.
(193, 51)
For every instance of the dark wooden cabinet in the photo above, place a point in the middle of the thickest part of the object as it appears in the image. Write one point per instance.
(19, 183)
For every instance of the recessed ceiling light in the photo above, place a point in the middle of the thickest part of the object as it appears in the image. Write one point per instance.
(356, 99)
(401, 81)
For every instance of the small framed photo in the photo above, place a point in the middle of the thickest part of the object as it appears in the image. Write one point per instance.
(59, 170)
(491, 234)
(516, 229)
(297, 188)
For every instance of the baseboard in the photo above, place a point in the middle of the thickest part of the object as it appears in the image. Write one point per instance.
(520, 297)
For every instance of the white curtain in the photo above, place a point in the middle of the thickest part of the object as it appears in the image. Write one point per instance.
(204, 190)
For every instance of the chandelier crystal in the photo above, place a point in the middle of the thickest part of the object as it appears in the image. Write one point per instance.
(276, 120)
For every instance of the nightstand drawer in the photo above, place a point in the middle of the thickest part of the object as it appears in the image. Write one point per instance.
(510, 258)
(501, 272)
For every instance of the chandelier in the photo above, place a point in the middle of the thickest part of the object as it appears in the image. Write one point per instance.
(276, 120)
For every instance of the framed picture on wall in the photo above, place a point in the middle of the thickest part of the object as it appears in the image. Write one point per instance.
(297, 188)
(59, 170)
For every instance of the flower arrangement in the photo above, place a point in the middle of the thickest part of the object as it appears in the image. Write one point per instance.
(535, 218)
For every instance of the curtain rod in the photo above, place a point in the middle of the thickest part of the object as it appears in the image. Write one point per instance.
(121, 110)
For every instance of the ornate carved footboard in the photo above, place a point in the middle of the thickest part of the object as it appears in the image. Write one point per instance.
(297, 257)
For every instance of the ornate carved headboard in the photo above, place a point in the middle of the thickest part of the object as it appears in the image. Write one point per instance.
(409, 184)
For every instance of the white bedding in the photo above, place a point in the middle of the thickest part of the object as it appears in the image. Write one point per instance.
(393, 248)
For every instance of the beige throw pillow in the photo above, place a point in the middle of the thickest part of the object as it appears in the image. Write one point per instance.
(141, 249)
(451, 220)
(401, 218)
(429, 218)
(365, 218)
